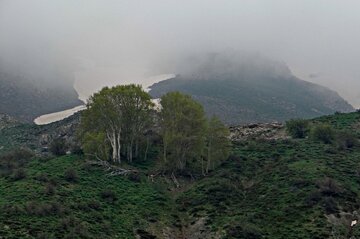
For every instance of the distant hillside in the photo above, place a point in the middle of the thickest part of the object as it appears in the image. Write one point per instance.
(25, 99)
(257, 90)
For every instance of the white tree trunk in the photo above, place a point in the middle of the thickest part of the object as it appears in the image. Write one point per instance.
(119, 147)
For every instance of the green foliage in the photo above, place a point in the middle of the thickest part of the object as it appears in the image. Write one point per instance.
(183, 129)
(297, 128)
(95, 145)
(97, 206)
(116, 118)
(346, 140)
(266, 189)
(18, 174)
(323, 132)
(71, 175)
(217, 143)
(13, 162)
(58, 147)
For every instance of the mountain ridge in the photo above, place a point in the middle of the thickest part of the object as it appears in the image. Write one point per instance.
(242, 91)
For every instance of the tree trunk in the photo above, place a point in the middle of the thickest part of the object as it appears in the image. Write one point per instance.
(147, 148)
(137, 148)
(111, 138)
(119, 147)
(131, 151)
(165, 146)
(208, 158)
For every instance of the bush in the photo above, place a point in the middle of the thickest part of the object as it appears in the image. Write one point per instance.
(13, 160)
(324, 133)
(71, 175)
(330, 205)
(43, 177)
(329, 187)
(108, 195)
(50, 189)
(75, 148)
(18, 174)
(58, 147)
(244, 230)
(346, 140)
(297, 128)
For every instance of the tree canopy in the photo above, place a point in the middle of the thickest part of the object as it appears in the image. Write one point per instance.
(119, 122)
(186, 134)
(116, 118)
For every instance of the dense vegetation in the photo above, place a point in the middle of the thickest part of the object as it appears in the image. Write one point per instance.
(306, 187)
(120, 120)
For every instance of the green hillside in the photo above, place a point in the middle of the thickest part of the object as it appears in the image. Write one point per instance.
(286, 188)
(238, 100)
(243, 88)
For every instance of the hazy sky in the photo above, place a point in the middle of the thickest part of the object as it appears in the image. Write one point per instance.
(110, 40)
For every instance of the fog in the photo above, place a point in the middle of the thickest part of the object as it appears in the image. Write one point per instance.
(101, 42)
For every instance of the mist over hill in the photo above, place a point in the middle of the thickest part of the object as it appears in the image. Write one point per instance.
(243, 88)
(26, 99)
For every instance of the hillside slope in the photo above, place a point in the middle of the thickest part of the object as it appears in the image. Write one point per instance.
(25, 100)
(272, 187)
(250, 90)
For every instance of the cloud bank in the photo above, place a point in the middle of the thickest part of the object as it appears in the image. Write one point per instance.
(114, 41)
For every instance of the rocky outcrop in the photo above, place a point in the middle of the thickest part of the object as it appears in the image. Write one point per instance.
(7, 121)
(15, 134)
(65, 129)
(267, 131)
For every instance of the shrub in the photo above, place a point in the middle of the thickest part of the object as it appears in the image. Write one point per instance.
(244, 230)
(346, 140)
(297, 128)
(18, 174)
(330, 205)
(58, 147)
(43, 177)
(50, 189)
(14, 159)
(313, 198)
(44, 209)
(108, 195)
(71, 175)
(329, 187)
(75, 148)
(45, 235)
(324, 133)
(93, 204)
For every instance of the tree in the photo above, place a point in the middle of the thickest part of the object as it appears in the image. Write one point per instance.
(117, 116)
(183, 129)
(297, 128)
(58, 146)
(217, 143)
